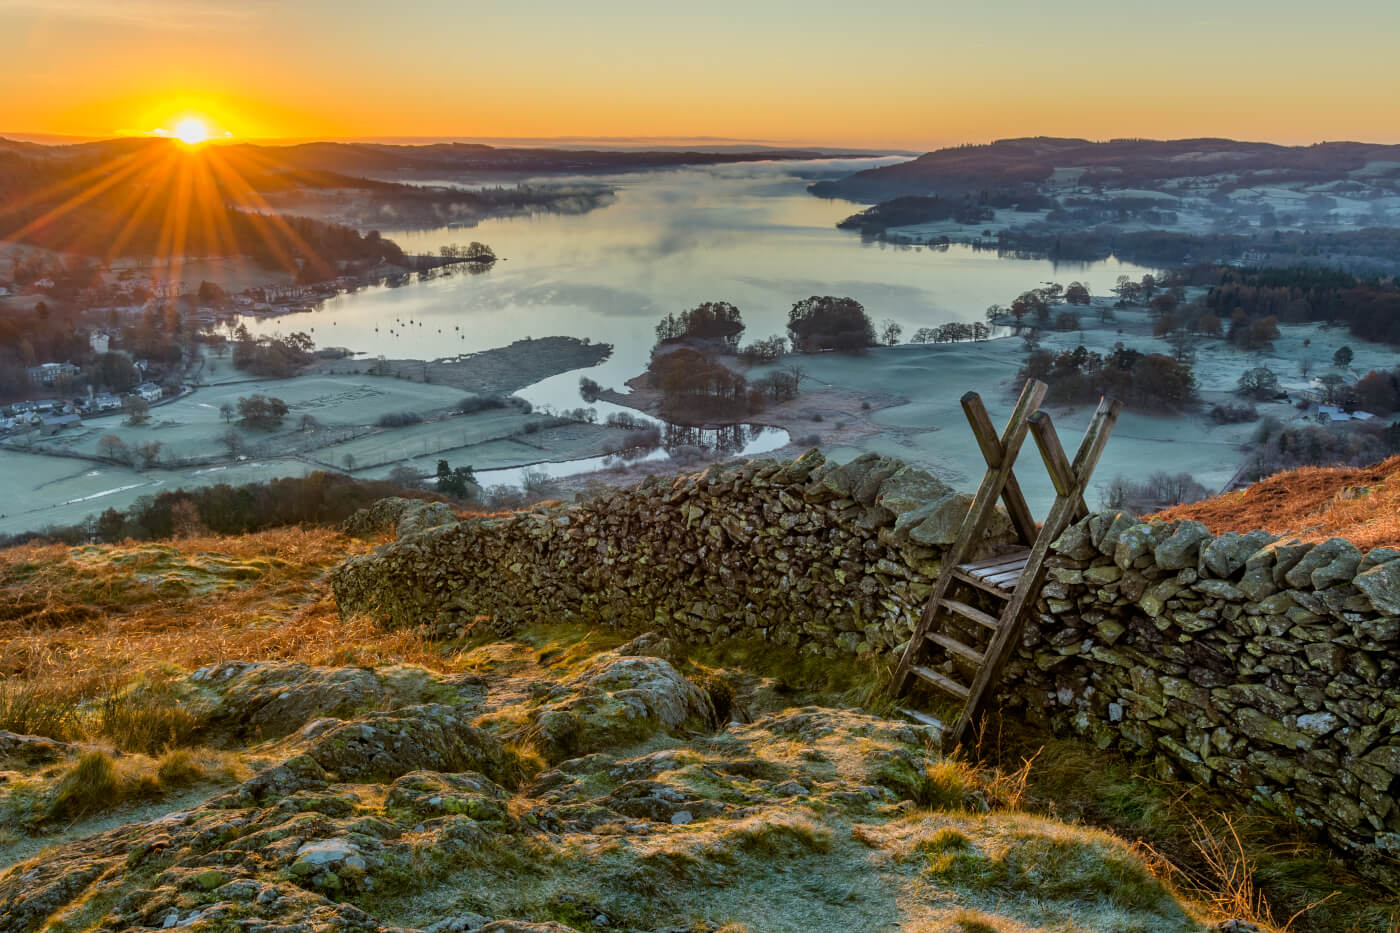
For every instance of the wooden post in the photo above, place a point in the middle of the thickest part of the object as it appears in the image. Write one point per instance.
(992, 452)
(993, 482)
(1061, 514)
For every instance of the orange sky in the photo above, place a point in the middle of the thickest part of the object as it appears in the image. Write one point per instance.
(894, 73)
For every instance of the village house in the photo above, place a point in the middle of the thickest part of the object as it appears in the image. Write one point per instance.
(1331, 414)
(48, 374)
(148, 391)
(52, 424)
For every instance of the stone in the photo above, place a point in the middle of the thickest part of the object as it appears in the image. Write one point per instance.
(1381, 584)
(940, 520)
(1102, 574)
(1180, 549)
(1322, 556)
(908, 488)
(1106, 528)
(1138, 540)
(1075, 542)
(1225, 555)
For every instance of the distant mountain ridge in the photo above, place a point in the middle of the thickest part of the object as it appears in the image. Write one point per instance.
(1028, 161)
(436, 159)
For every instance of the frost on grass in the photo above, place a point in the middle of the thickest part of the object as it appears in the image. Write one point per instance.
(562, 785)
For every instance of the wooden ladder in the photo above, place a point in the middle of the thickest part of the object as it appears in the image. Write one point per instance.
(1013, 577)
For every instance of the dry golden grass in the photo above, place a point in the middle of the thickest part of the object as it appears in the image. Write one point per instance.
(1361, 504)
(82, 623)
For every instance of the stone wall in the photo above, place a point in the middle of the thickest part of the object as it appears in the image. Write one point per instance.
(807, 553)
(1263, 667)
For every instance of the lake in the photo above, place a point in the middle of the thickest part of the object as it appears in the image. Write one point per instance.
(747, 234)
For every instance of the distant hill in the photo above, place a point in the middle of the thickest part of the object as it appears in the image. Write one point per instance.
(1010, 163)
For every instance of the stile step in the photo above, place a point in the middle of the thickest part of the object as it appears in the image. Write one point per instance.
(956, 647)
(982, 584)
(973, 613)
(942, 682)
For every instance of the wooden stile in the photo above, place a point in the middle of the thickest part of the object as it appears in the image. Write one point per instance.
(1015, 577)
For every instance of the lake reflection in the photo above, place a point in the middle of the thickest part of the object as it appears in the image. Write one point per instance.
(749, 234)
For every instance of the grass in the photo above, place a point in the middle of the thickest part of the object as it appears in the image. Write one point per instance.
(1361, 504)
(1236, 864)
(98, 781)
(271, 602)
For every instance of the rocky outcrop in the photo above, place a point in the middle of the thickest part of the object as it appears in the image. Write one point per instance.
(1266, 667)
(416, 820)
(401, 516)
(249, 700)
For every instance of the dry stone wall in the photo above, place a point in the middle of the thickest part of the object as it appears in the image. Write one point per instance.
(835, 558)
(1264, 667)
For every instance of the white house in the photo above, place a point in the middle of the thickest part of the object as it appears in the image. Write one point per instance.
(148, 391)
(1329, 414)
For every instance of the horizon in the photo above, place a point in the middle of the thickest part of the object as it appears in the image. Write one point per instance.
(655, 142)
(908, 77)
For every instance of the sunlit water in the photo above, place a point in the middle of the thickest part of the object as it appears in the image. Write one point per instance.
(748, 234)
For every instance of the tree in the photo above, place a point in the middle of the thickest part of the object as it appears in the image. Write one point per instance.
(1163, 305)
(890, 332)
(459, 482)
(349, 461)
(138, 410)
(232, 441)
(403, 476)
(1331, 386)
(825, 322)
(709, 320)
(148, 453)
(1077, 294)
(110, 525)
(263, 412)
(1343, 357)
(1261, 382)
(1378, 392)
(226, 412)
(113, 447)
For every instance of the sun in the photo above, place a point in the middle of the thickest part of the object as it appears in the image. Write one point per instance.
(191, 131)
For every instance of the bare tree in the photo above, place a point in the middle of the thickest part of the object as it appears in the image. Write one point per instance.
(232, 441)
(148, 453)
(113, 448)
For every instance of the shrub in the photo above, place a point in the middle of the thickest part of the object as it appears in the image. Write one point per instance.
(1261, 382)
(475, 403)
(1233, 414)
(399, 419)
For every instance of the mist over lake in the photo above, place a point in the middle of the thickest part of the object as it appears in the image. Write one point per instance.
(749, 234)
